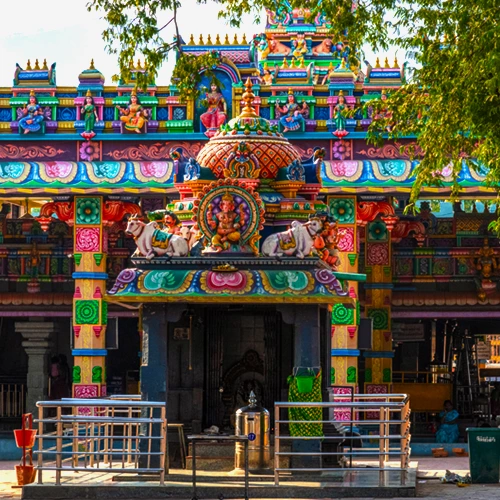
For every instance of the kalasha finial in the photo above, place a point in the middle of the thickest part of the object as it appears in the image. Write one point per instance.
(92, 64)
(386, 63)
(248, 96)
(37, 66)
(396, 64)
(45, 64)
(28, 65)
(377, 63)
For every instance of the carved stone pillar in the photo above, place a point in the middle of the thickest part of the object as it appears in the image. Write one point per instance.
(37, 344)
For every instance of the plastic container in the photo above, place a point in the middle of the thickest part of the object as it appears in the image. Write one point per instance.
(484, 455)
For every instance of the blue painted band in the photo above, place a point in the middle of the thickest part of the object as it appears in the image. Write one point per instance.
(90, 352)
(346, 352)
(378, 354)
(379, 286)
(90, 276)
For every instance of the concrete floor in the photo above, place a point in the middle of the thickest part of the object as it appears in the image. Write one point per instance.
(429, 486)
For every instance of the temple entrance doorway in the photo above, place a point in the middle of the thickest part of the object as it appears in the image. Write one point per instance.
(247, 348)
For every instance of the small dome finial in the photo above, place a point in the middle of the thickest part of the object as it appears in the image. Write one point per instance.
(248, 96)
(92, 64)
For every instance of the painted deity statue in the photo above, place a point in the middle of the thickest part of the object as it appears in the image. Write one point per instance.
(226, 224)
(339, 112)
(172, 223)
(486, 262)
(293, 113)
(216, 113)
(89, 113)
(267, 77)
(33, 116)
(134, 115)
(299, 46)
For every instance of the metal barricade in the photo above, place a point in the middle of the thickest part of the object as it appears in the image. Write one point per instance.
(390, 413)
(101, 435)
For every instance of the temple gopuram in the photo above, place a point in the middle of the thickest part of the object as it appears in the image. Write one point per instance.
(196, 251)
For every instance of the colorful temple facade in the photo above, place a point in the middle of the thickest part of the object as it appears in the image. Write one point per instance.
(219, 246)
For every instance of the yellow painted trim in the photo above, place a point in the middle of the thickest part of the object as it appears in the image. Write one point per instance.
(225, 299)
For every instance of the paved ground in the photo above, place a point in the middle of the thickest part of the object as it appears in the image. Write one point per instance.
(429, 484)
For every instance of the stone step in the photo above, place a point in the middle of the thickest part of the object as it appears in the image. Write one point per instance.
(221, 463)
(225, 463)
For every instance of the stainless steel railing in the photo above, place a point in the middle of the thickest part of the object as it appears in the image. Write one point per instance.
(388, 413)
(101, 435)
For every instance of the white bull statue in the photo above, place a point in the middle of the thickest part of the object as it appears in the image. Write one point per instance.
(297, 241)
(151, 240)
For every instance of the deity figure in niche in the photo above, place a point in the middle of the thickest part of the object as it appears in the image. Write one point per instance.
(134, 115)
(33, 116)
(486, 262)
(339, 112)
(293, 113)
(486, 265)
(216, 113)
(299, 46)
(226, 224)
(89, 113)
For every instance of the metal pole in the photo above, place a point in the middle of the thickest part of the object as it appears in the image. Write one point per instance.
(276, 444)
(246, 469)
(59, 430)
(163, 430)
(193, 444)
(40, 444)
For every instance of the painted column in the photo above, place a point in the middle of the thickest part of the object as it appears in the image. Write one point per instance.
(154, 353)
(378, 367)
(37, 344)
(89, 308)
(345, 322)
(307, 355)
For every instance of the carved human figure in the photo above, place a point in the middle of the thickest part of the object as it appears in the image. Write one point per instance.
(216, 113)
(89, 113)
(293, 113)
(486, 262)
(134, 115)
(326, 243)
(172, 223)
(226, 224)
(267, 77)
(339, 112)
(299, 46)
(32, 115)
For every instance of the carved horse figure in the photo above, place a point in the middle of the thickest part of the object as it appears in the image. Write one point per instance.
(151, 240)
(297, 241)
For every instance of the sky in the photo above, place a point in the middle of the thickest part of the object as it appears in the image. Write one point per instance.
(62, 31)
